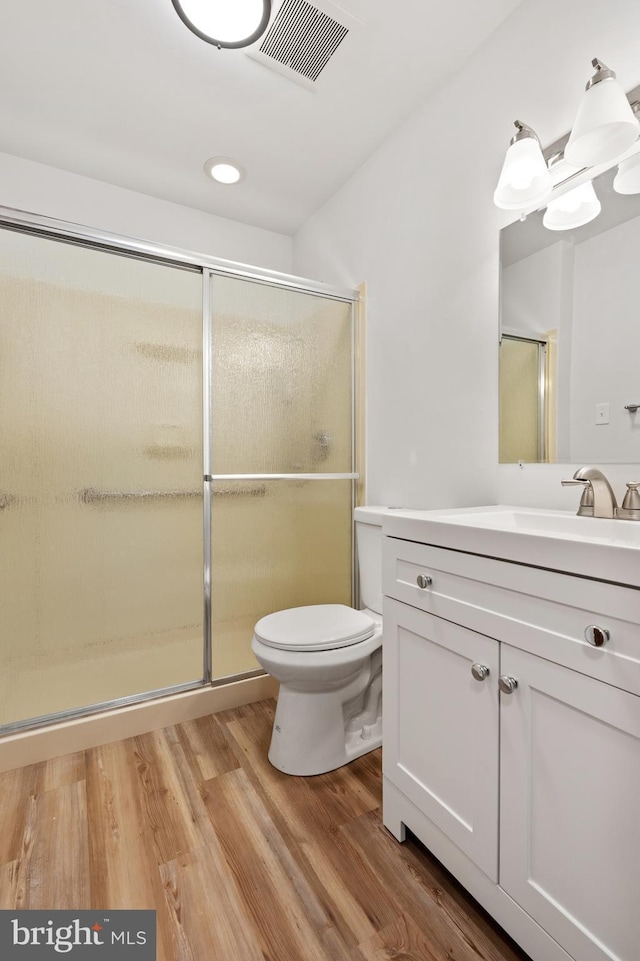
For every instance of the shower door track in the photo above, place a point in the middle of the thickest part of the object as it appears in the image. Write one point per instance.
(69, 232)
(46, 720)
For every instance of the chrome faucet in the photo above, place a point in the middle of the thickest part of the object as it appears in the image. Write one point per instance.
(598, 499)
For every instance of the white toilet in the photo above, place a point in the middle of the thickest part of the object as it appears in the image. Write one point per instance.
(328, 660)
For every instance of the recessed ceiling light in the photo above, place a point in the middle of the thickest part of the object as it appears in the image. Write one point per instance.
(225, 23)
(224, 170)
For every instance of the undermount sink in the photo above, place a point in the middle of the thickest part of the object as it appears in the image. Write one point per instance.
(560, 540)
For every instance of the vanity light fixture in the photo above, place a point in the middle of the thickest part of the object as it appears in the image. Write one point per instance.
(605, 126)
(573, 209)
(605, 129)
(525, 180)
(224, 170)
(225, 23)
(627, 179)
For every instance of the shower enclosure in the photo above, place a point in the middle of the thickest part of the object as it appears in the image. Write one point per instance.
(524, 400)
(176, 460)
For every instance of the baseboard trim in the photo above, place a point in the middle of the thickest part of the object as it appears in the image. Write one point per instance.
(67, 737)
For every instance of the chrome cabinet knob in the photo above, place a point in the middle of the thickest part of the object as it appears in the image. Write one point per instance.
(423, 580)
(480, 671)
(598, 636)
(507, 684)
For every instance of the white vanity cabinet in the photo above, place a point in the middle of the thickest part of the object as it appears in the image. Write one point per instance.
(530, 798)
(442, 737)
(570, 806)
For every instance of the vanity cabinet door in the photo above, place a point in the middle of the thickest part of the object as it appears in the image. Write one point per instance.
(570, 806)
(441, 726)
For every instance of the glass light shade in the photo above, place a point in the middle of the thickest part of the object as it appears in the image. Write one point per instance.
(605, 126)
(627, 179)
(225, 23)
(525, 180)
(573, 209)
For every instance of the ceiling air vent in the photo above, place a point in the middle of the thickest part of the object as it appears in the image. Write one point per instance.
(302, 39)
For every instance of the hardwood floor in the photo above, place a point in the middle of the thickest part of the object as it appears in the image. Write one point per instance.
(240, 862)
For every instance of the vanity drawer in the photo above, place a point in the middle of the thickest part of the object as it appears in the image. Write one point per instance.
(537, 610)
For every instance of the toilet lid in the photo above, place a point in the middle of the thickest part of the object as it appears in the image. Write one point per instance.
(320, 627)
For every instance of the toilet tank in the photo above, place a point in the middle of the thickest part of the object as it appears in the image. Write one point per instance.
(368, 521)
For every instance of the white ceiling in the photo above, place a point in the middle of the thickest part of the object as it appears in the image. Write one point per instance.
(122, 91)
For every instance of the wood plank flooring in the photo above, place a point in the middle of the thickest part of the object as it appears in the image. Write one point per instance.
(240, 862)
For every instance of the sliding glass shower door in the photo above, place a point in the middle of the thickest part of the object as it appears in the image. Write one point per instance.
(281, 456)
(176, 461)
(100, 476)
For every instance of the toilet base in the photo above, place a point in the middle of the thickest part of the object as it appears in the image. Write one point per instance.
(354, 747)
(314, 733)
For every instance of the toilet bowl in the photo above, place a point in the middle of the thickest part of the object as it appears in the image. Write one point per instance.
(328, 660)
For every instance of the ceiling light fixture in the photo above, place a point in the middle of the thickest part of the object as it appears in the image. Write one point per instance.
(573, 209)
(525, 180)
(224, 170)
(225, 23)
(605, 125)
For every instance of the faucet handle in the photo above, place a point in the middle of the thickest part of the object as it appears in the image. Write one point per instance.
(586, 501)
(631, 500)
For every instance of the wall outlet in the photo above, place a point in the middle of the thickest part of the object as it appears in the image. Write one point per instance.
(602, 413)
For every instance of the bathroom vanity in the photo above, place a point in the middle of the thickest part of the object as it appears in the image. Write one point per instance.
(512, 717)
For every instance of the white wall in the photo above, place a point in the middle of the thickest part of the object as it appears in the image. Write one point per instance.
(605, 353)
(417, 222)
(51, 192)
(531, 292)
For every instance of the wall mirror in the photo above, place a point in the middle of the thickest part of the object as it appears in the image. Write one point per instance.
(570, 336)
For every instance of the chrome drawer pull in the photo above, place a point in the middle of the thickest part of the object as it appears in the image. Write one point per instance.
(423, 580)
(480, 671)
(507, 684)
(598, 636)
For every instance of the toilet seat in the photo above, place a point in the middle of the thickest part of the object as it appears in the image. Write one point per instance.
(319, 627)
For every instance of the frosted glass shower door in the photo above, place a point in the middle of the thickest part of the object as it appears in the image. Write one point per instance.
(281, 405)
(100, 476)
